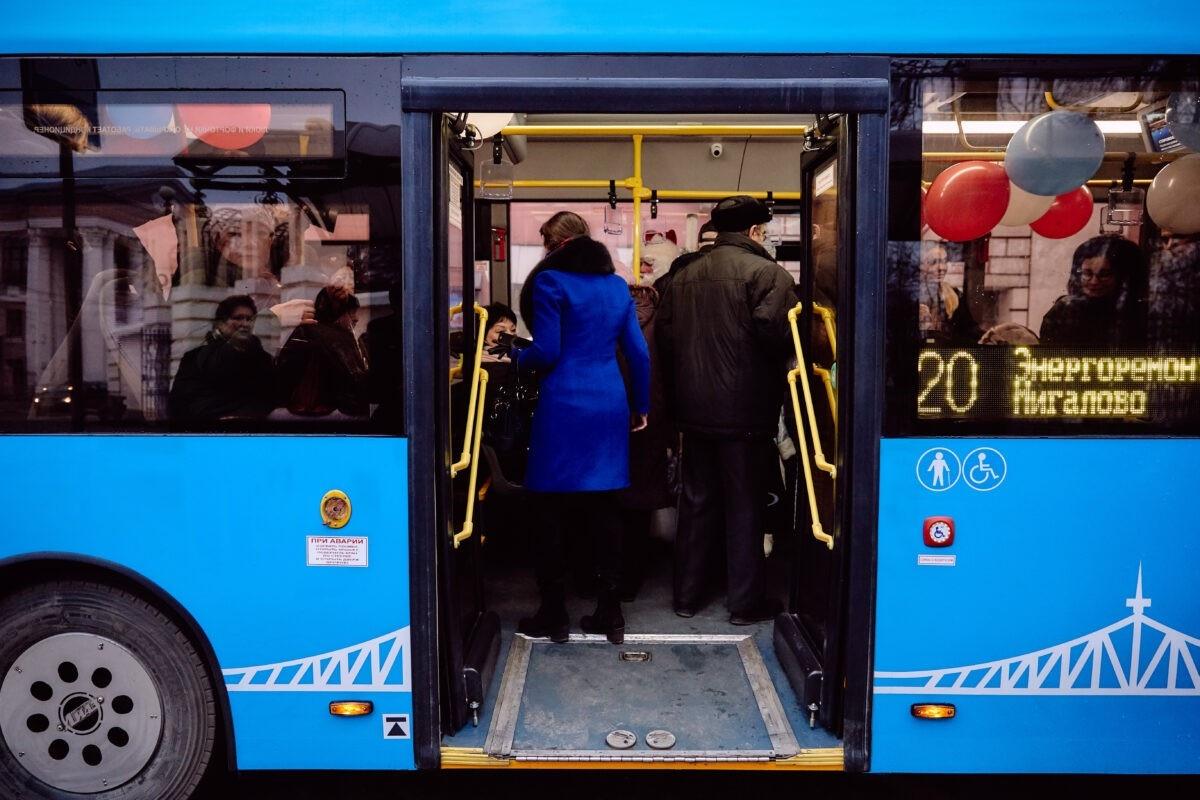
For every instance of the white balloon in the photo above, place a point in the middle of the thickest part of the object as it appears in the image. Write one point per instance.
(1173, 200)
(1023, 207)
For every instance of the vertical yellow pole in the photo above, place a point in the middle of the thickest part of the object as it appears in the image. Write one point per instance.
(637, 209)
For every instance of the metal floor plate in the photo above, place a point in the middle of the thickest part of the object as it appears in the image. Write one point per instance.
(712, 692)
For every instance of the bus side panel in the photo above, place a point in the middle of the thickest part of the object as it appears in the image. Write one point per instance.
(1065, 632)
(221, 523)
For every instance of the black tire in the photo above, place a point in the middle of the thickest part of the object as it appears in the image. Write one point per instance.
(189, 715)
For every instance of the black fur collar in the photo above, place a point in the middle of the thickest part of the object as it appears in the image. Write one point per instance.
(582, 255)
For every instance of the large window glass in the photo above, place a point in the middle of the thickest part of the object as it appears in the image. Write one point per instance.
(1045, 256)
(203, 261)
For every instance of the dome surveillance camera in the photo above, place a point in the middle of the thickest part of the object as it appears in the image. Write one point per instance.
(716, 148)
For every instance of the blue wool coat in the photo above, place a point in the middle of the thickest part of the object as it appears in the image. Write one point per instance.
(580, 437)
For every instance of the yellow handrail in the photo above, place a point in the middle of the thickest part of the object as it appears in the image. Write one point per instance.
(830, 328)
(826, 377)
(818, 532)
(469, 518)
(573, 131)
(465, 458)
(818, 452)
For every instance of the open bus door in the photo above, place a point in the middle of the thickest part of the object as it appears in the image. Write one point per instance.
(469, 633)
(809, 638)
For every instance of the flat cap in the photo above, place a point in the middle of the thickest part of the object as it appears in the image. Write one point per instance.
(739, 213)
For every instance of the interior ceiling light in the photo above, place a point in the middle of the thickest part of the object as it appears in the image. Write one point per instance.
(1115, 127)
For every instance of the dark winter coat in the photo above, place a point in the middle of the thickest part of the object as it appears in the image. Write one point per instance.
(678, 264)
(579, 312)
(221, 380)
(321, 369)
(723, 334)
(648, 489)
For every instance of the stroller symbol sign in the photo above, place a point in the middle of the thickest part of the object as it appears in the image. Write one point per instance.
(984, 469)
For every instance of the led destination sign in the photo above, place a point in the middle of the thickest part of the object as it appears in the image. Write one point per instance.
(993, 382)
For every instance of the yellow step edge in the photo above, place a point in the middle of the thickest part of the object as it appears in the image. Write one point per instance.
(813, 759)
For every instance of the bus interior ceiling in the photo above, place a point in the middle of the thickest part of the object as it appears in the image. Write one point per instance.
(716, 686)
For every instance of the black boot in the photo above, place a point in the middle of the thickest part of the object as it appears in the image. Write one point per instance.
(551, 620)
(607, 617)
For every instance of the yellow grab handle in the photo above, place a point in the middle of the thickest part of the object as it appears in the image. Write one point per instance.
(827, 378)
(469, 520)
(818, 532)
(826, 315)
(465, 458)
(818, 453)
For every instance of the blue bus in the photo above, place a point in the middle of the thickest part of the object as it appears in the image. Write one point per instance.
(250, 266)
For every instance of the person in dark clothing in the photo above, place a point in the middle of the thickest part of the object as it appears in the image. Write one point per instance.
(1103, 306)
(707, 238)
(579, 313)
(723, 334)
(230, 376)
(648, 457)
(321, 369)
(383, 342)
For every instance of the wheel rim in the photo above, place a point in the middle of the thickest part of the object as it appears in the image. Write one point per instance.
(80, 712)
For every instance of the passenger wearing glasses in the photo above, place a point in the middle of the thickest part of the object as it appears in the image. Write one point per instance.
(228, 377)
(1104, 305)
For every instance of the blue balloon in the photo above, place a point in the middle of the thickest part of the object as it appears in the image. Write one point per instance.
(1183, 118)
(1054, 153)
(139, 120)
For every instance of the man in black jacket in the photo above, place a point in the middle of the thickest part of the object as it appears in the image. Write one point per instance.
(723, 334)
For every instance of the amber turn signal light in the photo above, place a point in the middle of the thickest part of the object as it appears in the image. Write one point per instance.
(351, 708)
(933, 710)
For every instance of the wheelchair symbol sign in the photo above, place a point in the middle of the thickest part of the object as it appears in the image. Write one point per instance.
(984, 469)
(938, 469)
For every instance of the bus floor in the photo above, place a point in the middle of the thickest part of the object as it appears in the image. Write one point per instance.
(512, 594)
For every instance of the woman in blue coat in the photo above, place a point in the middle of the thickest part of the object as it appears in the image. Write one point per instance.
(579, 312)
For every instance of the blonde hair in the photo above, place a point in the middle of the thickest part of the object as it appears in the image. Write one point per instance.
(60, 122)
(562, 226)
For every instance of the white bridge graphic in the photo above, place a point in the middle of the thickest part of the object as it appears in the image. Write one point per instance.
(1151, 659)
(378, 665)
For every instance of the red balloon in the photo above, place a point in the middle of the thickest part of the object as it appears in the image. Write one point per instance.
(1067, 215)
(967, 200)
(229, 126)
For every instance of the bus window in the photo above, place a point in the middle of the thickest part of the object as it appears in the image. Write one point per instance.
(1045, 274)
(165, 297)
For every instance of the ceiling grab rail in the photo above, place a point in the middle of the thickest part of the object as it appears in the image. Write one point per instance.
(799, 371)
(469, 518)
(465, 458)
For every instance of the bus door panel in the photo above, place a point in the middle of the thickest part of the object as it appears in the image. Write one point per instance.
(1062, 623)
(470, 641)
(809, 637)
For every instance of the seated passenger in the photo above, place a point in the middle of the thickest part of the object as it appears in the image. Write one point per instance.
(502, 321)
(230, 376)
(1103, 306)
(321, 368)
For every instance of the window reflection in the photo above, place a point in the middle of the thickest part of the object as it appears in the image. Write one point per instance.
(196, 308)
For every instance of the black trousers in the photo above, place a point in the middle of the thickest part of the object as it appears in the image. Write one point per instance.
(593, 516)
(723, 501)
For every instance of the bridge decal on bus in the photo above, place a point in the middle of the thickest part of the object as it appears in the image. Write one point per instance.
(1089, 665)
(378, 665)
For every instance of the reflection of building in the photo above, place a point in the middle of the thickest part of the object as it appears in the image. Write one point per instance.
(132, 338)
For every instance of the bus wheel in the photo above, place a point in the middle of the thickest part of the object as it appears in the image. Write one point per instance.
(100, 694)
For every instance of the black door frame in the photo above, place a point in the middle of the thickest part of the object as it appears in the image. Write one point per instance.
(855, 85)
